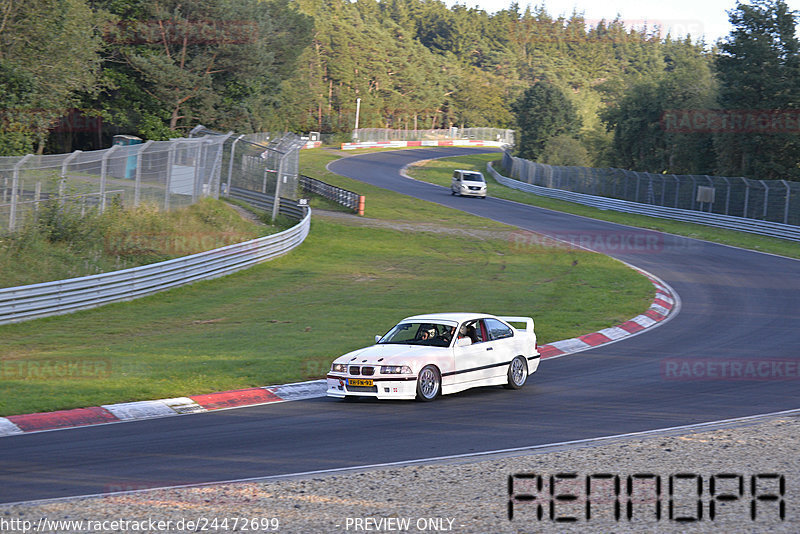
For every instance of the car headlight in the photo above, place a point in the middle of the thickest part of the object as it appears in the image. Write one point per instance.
(339, 367)
(395, 370)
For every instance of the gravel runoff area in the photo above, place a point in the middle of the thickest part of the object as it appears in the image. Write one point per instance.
(471, 495)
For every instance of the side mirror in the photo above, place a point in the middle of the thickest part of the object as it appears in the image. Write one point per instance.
(378, 338)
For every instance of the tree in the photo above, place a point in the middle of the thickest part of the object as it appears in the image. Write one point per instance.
(543, 112)
(212, 61)
(642, 139)
(49, 53)
(759, 72)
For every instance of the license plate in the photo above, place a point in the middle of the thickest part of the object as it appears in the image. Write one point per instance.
(359, 382)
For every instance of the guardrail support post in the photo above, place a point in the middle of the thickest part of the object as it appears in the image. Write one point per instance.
(766, 198)
(12, 218)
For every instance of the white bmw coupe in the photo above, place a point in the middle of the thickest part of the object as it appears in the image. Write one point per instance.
(427, 355)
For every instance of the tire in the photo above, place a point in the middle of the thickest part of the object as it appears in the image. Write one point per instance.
(429, 384)
(517, 373)
(452, 192)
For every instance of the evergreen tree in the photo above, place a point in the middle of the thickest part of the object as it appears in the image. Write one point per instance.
(542, 113)
(759, 72)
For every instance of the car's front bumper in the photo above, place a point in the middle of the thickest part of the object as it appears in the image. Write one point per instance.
(400, 387)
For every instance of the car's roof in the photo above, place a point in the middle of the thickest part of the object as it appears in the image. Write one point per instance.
(453, 316)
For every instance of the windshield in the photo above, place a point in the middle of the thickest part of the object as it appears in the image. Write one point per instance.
(473, 177)
(419, 333)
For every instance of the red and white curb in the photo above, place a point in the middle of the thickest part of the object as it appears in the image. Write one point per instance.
(405, 144)
(665, 304)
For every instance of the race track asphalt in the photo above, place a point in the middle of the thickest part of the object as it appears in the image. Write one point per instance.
(737, 306)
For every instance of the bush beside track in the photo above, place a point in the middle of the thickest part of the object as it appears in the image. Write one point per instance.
(285, 320)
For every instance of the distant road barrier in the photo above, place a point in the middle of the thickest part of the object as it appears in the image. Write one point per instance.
(65, 296)
(346, 198)
(730, 222)
(406, 144)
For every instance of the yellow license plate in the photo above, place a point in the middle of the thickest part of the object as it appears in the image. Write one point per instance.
(359, 382)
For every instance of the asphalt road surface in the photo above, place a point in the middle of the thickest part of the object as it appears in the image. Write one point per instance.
(737, 306)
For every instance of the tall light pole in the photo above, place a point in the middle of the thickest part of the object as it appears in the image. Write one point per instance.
(358, 110)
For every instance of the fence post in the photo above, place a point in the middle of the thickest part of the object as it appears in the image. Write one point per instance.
(63, 181)
(746, 195)
(103, 173)
(198, 159)
(727, 195)
(766, 198)
(12, 218)
(230, 164)
(137, 184)
(786, 205)
(276, 205)
(170, 164)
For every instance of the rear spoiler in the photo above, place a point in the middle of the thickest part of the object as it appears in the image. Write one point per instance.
(527, 320)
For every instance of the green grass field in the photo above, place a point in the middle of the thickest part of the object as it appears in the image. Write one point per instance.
(440, 171)
(287, 319)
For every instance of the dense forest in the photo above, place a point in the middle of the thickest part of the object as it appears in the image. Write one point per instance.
(75, 72)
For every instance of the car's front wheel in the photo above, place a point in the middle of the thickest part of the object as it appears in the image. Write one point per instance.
(429, 383)
(517, 373)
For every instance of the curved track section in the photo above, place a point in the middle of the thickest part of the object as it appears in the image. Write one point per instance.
(737, 306)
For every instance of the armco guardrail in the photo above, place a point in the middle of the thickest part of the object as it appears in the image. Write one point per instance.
(65, 296)
(265, 202)
(346, 198)
(771, 229)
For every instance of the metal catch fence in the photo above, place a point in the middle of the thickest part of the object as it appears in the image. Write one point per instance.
(764, 200)
(167, 174)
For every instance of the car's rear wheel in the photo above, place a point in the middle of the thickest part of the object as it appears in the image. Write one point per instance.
(429, 383)
(517, 373)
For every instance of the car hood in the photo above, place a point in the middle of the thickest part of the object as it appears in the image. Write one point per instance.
(391, 354)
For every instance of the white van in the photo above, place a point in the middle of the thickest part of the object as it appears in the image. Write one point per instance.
(468, 183)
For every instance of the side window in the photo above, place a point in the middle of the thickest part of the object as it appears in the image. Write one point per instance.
(475, 331)
(498, 330)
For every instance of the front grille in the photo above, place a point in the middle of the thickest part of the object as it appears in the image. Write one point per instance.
(368, 371)
(364, 389)
(355, 370)
(472, 188)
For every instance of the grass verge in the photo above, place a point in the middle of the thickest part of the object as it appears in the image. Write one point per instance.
(440, 171)
(62, 243)
(286, 320)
